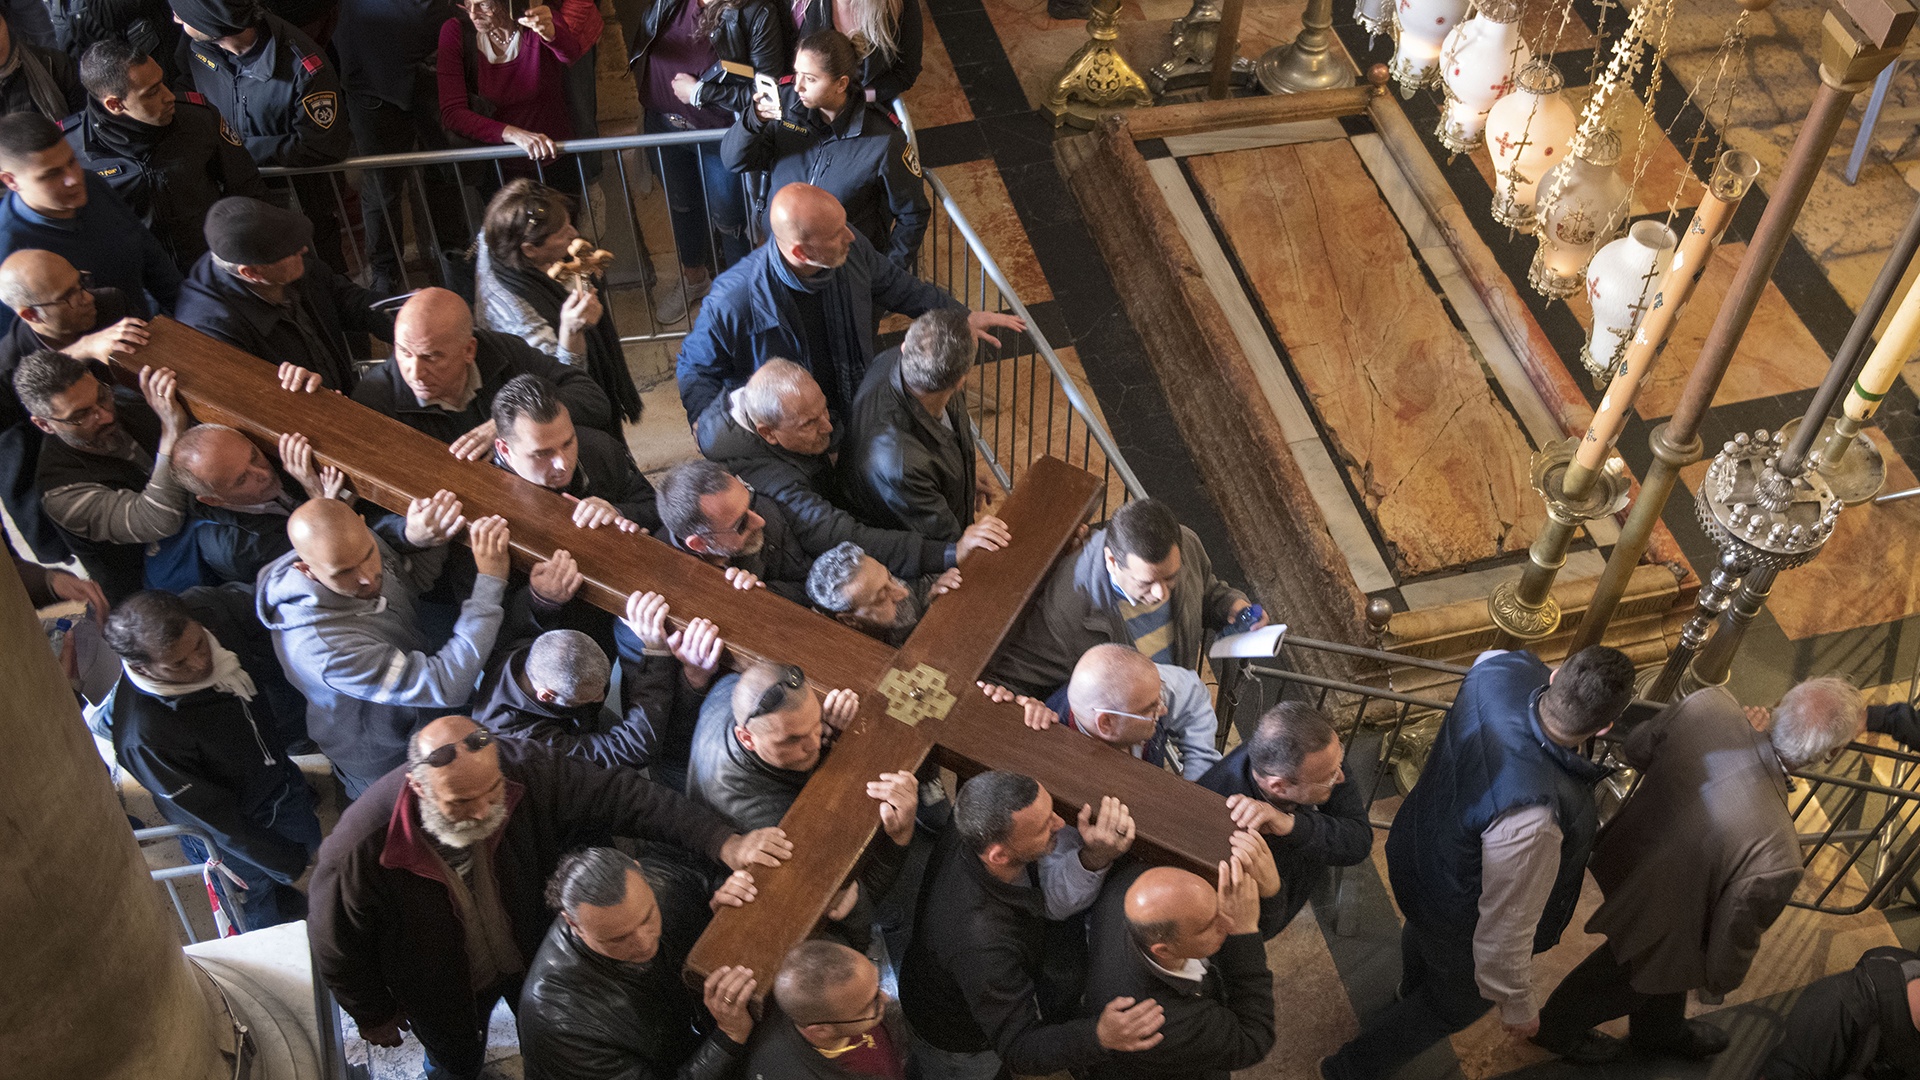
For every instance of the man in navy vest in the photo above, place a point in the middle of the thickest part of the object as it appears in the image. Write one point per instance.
(1487, 854)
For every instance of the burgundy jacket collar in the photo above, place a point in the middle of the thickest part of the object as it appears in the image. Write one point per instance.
(408, 847)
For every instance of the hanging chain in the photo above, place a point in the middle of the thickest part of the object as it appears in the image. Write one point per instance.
(1733, 44)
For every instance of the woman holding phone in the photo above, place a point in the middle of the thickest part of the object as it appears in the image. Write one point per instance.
(694, 63)
(502, 78)
(821, 130)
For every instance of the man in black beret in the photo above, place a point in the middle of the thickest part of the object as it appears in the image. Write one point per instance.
(279, 94)
(260, 288)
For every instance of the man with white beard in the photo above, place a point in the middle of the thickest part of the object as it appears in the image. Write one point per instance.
(426, 903)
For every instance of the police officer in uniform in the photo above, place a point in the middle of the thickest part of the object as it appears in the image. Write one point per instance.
(279, 95)
(824, 132)
(170, 160)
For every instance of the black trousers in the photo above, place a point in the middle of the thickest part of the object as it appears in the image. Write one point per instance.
(1438, 996)
(381, 127)
(1599, 990)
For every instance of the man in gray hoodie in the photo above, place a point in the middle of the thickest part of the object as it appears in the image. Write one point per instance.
(348, 634)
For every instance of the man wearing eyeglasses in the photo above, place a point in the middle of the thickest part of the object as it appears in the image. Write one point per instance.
(58, 308)
(1286, 782)
(707, 512)
(1130, 703)
(106, 477)
(834, 1021)
(428, 901)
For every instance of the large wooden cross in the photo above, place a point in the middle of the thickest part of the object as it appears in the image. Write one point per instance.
(912, 702)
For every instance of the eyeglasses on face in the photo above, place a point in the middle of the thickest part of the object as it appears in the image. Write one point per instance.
(791, 680)
(874, 1010)
(67, 298)
(101, 399)
(442, 756)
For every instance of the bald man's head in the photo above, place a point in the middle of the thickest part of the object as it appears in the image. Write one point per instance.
(433, 344)
(461, 790)
(1174, 916)
(810, 228)
(1115, 695)
(224, 468)
(335, 548)
(45, 291)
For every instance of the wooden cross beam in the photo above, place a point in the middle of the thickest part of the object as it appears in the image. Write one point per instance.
(915, 701)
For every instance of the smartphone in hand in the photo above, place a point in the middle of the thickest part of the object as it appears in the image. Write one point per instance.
(766, 94)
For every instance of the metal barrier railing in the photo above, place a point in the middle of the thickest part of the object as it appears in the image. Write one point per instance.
(1858, 819)
(1024, 402)
(167, 876)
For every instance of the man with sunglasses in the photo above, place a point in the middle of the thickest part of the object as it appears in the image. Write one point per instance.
(1286, 783)
(58, 308)
(709, 513)
(833, 1021)
(1130, 703)
(1694, 868)
(760, 737)
(106, 477)
(428, 901)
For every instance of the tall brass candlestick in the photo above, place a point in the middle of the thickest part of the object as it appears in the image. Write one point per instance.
(1569, 482)
(1851, 57)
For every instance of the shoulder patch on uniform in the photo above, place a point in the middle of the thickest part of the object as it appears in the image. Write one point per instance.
(104, 173)
(911, 160)
(203, 58)
(311, 63)
(225, 131)
(196, 97)
(323, 108)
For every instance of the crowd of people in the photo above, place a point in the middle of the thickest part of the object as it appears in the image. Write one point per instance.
(546, 801)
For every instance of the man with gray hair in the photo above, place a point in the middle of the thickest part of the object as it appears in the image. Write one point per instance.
(908, 462)
(775, 434)
(1695, 867)
(553, 690)
(854, 588)
(1132, 704)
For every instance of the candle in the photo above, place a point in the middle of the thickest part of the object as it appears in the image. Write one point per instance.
(1732, 176)
(1903, 333)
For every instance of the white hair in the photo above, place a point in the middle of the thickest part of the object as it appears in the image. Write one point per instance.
(1816, 718)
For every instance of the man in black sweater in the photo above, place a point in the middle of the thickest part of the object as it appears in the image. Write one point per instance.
(1286, 783)
(1162, 934)
(444, 375)
(1005, 867)
(189, 724)
(1858, 1024)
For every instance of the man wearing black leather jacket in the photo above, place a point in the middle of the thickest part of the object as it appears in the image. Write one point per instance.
(604, 1000)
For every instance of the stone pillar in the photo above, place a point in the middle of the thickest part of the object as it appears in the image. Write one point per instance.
(96, 984)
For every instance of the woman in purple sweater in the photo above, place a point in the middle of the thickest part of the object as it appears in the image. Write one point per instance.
(517, 73)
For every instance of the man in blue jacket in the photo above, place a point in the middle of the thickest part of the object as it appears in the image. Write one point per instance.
(54, 204)
(1487, 854)
(812, 294)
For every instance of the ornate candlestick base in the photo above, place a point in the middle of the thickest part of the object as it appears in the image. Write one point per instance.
(1308, 62)
(1761, 521)
(1190, 66)
(1525, 610)
(1097, 78)
(1848, 461)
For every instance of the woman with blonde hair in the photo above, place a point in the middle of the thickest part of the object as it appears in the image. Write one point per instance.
(887, 36)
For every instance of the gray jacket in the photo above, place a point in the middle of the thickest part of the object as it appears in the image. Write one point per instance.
(1078, 608)
(364, 665)
(902, 467)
